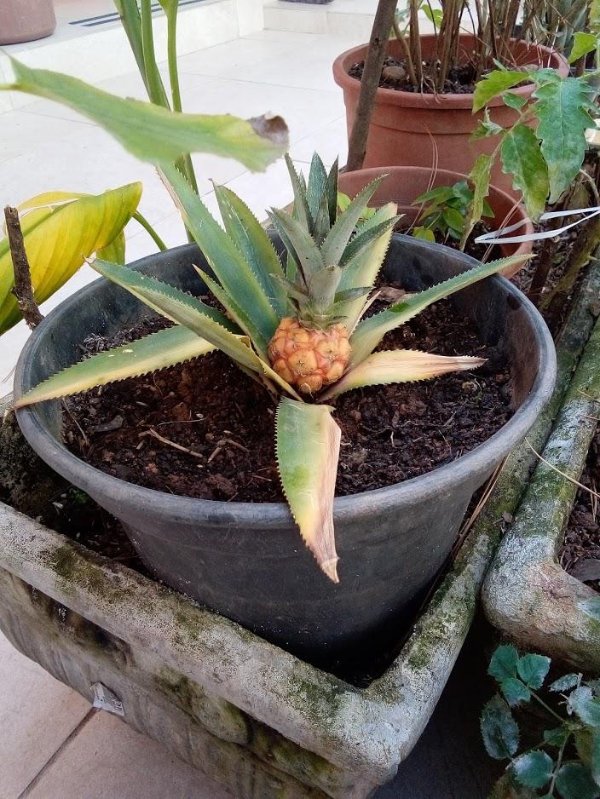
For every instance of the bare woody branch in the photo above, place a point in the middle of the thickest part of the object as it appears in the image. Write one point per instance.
(23, 289)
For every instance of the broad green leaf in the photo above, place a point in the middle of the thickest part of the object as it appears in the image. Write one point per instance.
(564, 683)
(156, 134)
(400, 366)
(369, 332)
(58, 238)
(557, 736)
(563, 110)
(523, 159)
(423, 233)
(499, 730)
(494, 83)
(533, 769)
(229, 264)
(338, 237)
(149, 354)
(514, 691)
(583, 43)
(480, 178)
(515, 101)
(308, 445)
(574, 781)
(257, 248)
(585, 705)
(503, 663)
(532, 669)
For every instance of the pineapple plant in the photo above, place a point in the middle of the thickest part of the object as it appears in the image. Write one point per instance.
(295, 323)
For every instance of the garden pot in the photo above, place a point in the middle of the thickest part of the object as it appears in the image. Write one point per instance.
(413, 129)
(26, 20)
(527, 594)
(404, 184)
(246, 560)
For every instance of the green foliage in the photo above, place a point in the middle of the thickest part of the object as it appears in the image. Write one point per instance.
(447, 210)
(567, 764)
(544, 148)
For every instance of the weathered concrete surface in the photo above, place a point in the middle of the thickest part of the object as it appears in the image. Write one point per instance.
(527, 594)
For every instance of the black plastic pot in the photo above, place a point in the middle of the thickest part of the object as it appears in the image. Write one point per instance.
(246, 560)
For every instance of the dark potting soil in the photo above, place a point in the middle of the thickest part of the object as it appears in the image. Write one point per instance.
(394, 75)
(478, 251)
(204, 429)
(580, 551)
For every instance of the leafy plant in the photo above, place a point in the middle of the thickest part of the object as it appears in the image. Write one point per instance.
(446, 212)
(544, 148)
(297, 326)
(60, 231)
(566, 762)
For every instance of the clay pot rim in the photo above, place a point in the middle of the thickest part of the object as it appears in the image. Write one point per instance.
(436, 101)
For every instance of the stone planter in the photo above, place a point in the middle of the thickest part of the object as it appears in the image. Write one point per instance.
(527, 594)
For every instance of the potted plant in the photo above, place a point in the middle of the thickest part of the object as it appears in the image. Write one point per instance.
(26, 20)
(425, 116)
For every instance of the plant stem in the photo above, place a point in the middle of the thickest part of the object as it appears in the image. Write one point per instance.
(23, 289)
(154, 84)
(547, 708)
(140, 219)
(370, 81)
(172, 58)
(561, 753)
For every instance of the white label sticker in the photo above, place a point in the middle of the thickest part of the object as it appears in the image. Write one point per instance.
(104, 699)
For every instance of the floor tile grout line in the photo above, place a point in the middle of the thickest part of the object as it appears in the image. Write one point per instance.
(54, 757)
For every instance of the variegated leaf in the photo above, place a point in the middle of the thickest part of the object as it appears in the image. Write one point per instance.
(149, 354)
(345, 225)
(400, 366)
(308, 445)
(369, 332)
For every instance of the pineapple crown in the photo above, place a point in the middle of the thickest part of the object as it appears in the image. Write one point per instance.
(327, 245)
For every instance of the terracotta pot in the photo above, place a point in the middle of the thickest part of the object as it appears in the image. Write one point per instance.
(413, 129)
(26, 20)
(404, 184)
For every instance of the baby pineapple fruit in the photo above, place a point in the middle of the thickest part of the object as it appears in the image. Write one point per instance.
(307, 357)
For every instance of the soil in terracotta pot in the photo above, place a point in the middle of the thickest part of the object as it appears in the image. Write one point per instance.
(394, 75)
(479, 251)
(580, 552)
(204, 429)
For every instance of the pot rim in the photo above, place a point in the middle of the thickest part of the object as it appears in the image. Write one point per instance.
(276, 514)
(436, 101)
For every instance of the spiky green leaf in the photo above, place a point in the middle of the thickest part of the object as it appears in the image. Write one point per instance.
(338, 237)
(399, 366)
(523, 159)
(155, 134)
(369, 332)
(308, 444)
(298, 242)
(301, 210)
(149, 354)
(563, 108)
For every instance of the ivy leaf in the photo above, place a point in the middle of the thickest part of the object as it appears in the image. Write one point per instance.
(574, 781)
(523, 159)
(585, 705)
(512, 100)
(563, 110)
(533, 769)
(564, 683)
(499, 730)
(514, 691)
(532, 669)
(494, 83)
(504, 663)
(583, 43)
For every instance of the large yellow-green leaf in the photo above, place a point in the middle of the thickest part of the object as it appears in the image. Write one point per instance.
(59, 236)
(400, 366)
(308, 446)
(156, 134)
(369, 332)
(156, 351)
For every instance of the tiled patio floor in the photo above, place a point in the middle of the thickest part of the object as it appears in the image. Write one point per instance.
(52, 746)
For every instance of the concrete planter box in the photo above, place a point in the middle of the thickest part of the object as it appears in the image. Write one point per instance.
(527, 594)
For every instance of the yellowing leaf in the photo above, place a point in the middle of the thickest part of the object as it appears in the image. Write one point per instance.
(400, 366)
(156, 134)
(59, 237)
(149, 354)
(308, 446)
